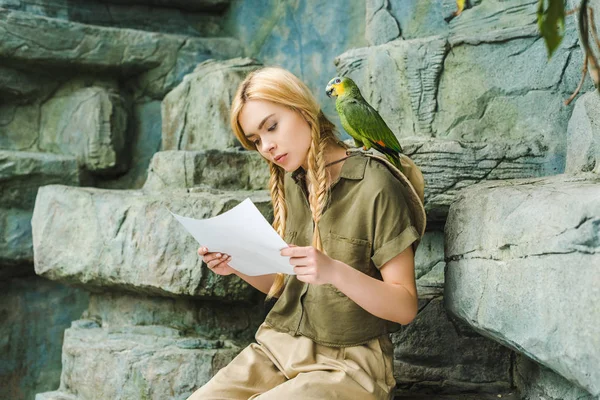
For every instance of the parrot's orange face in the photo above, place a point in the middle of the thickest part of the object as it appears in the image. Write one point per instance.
(280, 135)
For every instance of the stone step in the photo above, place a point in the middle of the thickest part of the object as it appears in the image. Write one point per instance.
(153, 362)
(21, 175)
(474, 396)
(188, 5)
(127, 239)
(511, 243)
(447, 166)
(404, 396)
(108, 360)
(219, 169)
(466, 396)
(200, 18)
(55, 395)
(161, 59)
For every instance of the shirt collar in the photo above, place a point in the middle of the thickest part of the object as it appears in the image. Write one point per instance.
(353, 168)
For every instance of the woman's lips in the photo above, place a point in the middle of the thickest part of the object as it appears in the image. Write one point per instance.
(281, 158)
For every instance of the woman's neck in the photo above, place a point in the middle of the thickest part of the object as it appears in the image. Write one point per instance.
(333, 152)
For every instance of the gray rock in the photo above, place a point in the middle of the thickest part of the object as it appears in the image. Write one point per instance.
(583, 135)
(449, 166)
(438, 353)
(16, 249)
(195, 115)
(419, 18)
(141, 15)
(537, 382)
(88, 123)
(381, 27)
(400, 80)
(225, 170)
(509, 244)
(34, 314)
(485, 92)
(162, 60)
(208, 320)
(146, 137)
(55, 395)
(128, 240)
(429, 254)
(21, 175)
(19, 126)
(495, 20)
(189, 5)
(133, 365)
(23, 86)
(433, 281)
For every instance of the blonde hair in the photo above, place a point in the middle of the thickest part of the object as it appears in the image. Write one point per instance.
(280, 86)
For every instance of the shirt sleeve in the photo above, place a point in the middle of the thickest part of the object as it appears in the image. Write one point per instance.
(394, 229)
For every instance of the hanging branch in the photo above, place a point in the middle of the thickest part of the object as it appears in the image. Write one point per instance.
(551, 23)
(585, 21)
(586, 24)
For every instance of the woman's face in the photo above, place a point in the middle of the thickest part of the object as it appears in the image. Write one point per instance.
(281, 135)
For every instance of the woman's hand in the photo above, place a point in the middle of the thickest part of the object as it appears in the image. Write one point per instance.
(311, 265)
(216, 262)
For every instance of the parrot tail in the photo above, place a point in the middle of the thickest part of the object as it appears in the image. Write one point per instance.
(395, 160)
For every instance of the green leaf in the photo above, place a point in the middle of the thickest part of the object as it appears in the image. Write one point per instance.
(551, 23)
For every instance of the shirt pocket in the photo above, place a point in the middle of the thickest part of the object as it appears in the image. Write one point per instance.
(352, 251)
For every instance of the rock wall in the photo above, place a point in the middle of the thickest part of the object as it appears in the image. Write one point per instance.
(119, 111)
(34, 313)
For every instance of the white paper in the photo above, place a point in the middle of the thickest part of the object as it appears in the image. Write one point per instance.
(245, 235)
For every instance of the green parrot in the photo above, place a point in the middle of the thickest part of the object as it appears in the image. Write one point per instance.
(362, 121)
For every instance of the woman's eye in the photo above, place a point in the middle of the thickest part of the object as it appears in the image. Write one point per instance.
(256, 142)
(272, 128)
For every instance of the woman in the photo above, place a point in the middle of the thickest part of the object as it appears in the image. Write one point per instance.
(353, 224)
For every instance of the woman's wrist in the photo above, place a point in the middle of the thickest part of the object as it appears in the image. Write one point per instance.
(338, 268)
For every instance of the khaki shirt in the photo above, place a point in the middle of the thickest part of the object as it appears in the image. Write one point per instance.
(366, 223)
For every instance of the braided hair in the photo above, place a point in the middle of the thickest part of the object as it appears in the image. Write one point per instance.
(280, 86)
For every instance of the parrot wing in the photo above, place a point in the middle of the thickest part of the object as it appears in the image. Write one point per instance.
(368, 124)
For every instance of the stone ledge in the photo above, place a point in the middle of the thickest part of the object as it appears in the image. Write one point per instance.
(225, 170)
(21, 175)
(449, 166)
(55, 395)
(512, 243)
(209, 320)
(189, 5)
(440, 354)
(162, 58)
(150, 362)
(128, 240)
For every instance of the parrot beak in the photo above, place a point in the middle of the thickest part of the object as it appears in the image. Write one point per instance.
(329, 90)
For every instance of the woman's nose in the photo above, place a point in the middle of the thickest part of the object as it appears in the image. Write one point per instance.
(268, 145)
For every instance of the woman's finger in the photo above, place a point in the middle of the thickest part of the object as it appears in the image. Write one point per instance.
(215, 262)
(214, 256)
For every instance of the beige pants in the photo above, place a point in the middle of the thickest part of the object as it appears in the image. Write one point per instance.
(282, 366)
